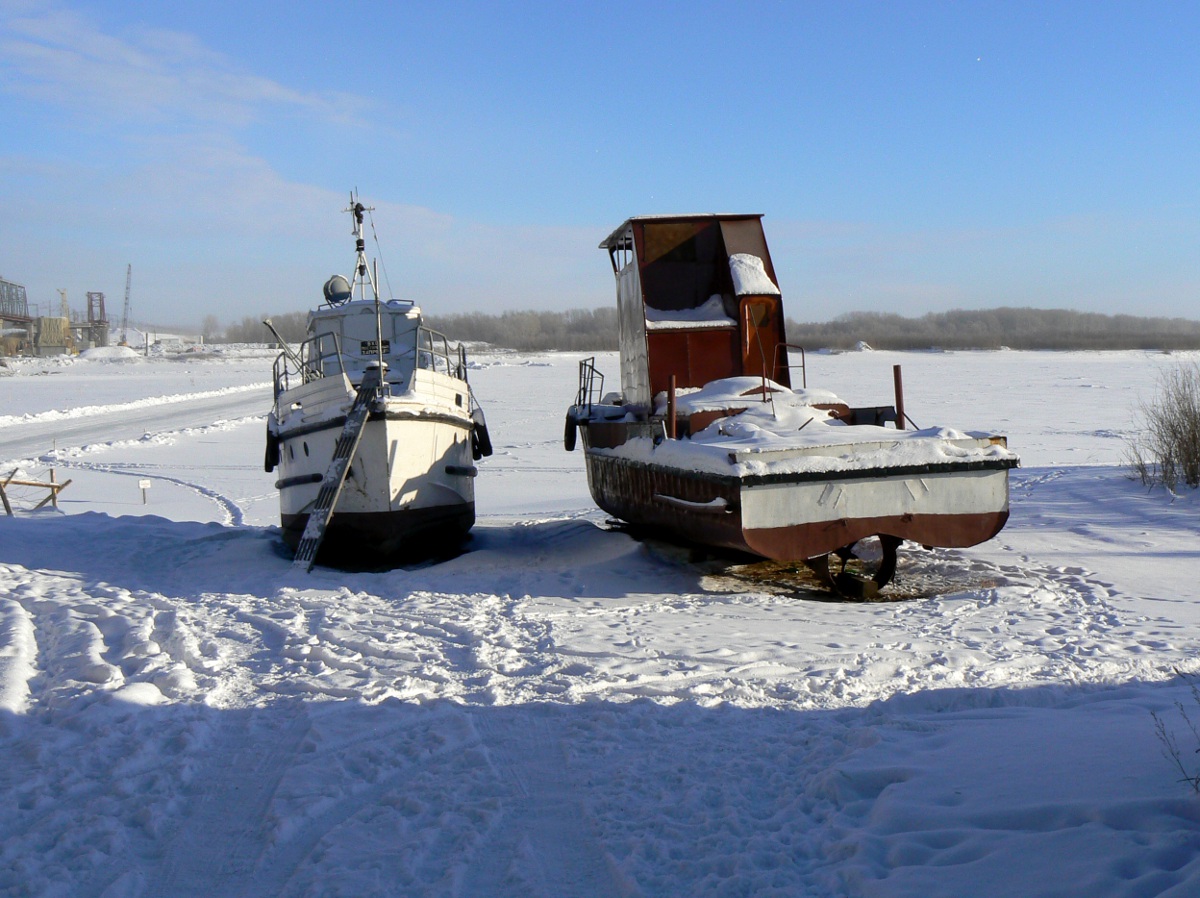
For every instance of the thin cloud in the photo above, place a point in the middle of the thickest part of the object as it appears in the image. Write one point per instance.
(149, 75)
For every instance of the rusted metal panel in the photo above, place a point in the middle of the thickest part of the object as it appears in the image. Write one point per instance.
(761, 335)
(802, 541)
(745, 235)
(678, 263)
(667, 499)
(695, 357)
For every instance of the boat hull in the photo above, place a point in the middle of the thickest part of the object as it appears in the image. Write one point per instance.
(801, 516)
(367, 539)
(409, 492)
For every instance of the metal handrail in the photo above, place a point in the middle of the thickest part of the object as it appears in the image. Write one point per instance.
(431, 353)
(588, 389)
(803, 370)
(309, 364)
(319, 361)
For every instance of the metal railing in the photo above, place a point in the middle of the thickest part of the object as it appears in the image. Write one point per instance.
(784, 347)
(319, 356)
(433, 354)
(591, 384)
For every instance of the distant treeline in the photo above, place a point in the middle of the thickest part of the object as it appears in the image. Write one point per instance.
(993, 328)
(584, 330)
(581, 330)
(292, 326)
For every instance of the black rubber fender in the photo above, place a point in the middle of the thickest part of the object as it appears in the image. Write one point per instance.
(271, 458)
(481, 442)
(570, 432)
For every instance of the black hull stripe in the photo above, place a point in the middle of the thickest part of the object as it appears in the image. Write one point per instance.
(732, 480)
(340, 421)
(298, 480)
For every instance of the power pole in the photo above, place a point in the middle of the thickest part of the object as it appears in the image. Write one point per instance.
(125, 314)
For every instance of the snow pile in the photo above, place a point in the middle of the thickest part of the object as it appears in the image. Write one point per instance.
(110, 353)
(150, 401)
(740, 393)
(750, 277)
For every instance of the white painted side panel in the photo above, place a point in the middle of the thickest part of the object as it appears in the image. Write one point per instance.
(631, 314)
(323, 397)
(789, 504)
(399, 464)
(433, 389)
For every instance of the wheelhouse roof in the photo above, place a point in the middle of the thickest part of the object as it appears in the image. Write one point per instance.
(622, 237)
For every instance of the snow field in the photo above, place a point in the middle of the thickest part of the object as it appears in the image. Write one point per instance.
(563, 709)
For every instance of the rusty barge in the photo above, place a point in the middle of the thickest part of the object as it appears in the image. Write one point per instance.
(709, 441)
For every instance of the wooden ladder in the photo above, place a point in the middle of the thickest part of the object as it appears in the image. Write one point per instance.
(335, 475)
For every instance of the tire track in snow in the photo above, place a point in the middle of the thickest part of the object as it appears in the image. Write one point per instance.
(544, 843)
(18, 653)
(224, 835)
(233, 514)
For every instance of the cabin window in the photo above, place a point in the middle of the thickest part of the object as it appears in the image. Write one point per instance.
(671, 241)
(683, 264)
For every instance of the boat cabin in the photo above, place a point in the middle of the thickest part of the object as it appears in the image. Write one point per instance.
(697, 298)
(351, 329)
(344, 338)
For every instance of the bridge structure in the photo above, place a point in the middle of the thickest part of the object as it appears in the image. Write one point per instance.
(14, 304)
(15, 324)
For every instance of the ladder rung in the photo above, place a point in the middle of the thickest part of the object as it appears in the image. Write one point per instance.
(335, 475)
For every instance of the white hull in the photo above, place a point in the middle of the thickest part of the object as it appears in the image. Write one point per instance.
(410, 485)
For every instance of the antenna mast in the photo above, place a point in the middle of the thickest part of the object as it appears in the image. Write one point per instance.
(362, 274)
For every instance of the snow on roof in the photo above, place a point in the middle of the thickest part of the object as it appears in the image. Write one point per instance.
(710, 314)
(750, 278)
(738, 392)
(787, 434)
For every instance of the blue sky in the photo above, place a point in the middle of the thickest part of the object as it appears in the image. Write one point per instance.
(909, 157)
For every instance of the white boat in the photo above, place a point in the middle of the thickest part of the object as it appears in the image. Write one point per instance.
(374, 430)
(708, 441)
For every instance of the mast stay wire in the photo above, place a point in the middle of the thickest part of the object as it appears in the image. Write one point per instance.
(379, 251)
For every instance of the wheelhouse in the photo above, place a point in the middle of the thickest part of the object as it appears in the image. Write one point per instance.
(697, 299)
